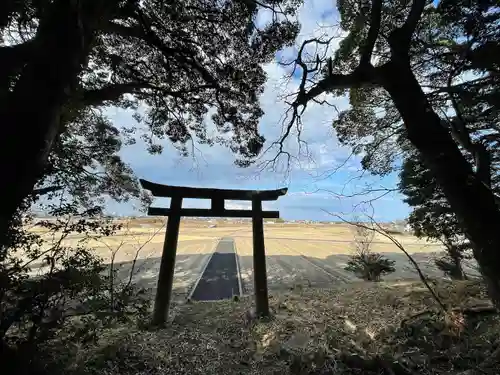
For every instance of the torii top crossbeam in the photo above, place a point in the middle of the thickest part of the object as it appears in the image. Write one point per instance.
(160, 190)
(217, 197)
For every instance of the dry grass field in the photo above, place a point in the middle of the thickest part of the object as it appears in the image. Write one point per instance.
(297, 254)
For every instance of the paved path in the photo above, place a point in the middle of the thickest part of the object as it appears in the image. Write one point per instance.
(220, 279)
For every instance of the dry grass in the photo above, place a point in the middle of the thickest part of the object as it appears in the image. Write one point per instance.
(312, 331)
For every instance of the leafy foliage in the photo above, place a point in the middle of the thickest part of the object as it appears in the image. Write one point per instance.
(447, 59)
(432, 216)
(172, 64)
(85, 161)
(188, 72)
(447, 56)
(370, 266)
(48, 283)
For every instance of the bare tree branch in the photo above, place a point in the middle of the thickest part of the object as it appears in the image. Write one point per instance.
(46, 190)
(111, 92)
(139, 249)
(383, 190)
(123, 31)
(360, 77)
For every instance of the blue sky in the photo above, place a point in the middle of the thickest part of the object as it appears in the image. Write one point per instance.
(313, 188)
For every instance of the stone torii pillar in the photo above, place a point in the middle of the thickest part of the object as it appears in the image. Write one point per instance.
(217, 197)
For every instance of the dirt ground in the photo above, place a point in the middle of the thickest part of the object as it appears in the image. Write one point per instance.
(297, 254)
(339, 330)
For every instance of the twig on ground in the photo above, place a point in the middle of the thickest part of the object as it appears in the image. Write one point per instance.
(476, 310)
(420, 314)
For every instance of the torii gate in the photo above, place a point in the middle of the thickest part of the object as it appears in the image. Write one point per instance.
(217, 197)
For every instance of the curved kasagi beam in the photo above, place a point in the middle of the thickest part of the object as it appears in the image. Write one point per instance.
(160, 190)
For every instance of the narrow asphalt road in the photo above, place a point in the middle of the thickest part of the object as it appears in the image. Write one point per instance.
(220, 279)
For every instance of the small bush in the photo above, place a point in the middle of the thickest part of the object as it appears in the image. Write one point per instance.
(450, 267)
(73, 290)
(395, 232)
(364, 263)
(370, 266)
(451, 262)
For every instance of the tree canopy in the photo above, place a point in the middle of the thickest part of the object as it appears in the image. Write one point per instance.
(422, 81)
(447, 58)
(176, 65)
(190, 71)
(464, 89)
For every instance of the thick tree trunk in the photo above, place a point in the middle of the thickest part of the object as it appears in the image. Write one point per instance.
(30, 113)
(468, 196)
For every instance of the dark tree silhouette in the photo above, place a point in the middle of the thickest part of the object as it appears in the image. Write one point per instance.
(409, 62)
(432, 216)
(61, 60)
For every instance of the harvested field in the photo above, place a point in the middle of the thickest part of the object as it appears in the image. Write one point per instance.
(297, 254)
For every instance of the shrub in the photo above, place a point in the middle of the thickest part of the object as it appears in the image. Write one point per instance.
(72, 284)
(364, 263)
(395, 232)
(370, 266)
(451, 262)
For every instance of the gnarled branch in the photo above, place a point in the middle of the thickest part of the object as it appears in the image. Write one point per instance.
(360, 77)
(123, 31)
(373, 31)
(400, 38)
(111, 92)
(46, 190)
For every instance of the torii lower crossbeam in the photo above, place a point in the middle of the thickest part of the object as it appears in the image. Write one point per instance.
(217, 197)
